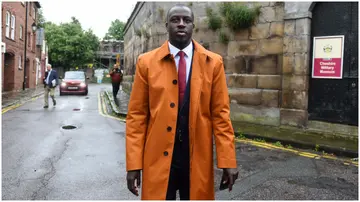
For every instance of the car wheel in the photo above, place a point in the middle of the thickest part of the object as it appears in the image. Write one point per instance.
(86, 92)
(61, 94)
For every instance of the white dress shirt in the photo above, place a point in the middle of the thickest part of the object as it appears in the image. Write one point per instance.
(188, 50)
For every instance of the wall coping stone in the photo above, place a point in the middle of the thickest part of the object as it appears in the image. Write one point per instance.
(299, 15)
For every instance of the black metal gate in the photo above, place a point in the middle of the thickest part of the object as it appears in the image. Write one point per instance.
(336, 100)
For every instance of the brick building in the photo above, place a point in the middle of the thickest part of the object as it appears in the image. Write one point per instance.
(13, 35)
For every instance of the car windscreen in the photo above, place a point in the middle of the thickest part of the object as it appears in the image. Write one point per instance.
(74, 75)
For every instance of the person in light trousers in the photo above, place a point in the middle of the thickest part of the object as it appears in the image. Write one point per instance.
(50, 82)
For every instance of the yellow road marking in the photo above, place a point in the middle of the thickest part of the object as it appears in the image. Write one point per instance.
(101, 107)
(304, 154)
(6, 109)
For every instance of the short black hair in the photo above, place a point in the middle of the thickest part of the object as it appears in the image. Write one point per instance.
(179, 5)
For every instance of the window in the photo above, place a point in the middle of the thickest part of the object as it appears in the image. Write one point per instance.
(34, 13)
(20, 62)
(7, 31)
(13, 27)
(21, 32)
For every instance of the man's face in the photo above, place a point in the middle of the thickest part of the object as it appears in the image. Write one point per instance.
(180, 25)
(48, 68)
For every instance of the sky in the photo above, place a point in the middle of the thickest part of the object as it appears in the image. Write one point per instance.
(96, 14)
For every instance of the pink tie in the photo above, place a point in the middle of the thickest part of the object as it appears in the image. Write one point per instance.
(182, 76)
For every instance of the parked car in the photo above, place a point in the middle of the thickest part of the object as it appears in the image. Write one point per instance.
(74, 82)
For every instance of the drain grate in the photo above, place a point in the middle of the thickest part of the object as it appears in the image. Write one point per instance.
(87, 98)
(68, 127)
(76, 109)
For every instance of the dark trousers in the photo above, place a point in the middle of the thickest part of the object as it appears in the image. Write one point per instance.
(179, 178)
(115, 87)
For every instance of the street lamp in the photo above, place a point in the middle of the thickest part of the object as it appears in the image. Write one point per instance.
(33, 27)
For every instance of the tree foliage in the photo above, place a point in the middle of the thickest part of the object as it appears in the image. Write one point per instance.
(69, 45)
(116, 30)
(40, 19)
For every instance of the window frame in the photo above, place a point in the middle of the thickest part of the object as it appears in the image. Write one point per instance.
(7, 24)
(21, 30)
(20, 62)
(34, 12)
(12, 27)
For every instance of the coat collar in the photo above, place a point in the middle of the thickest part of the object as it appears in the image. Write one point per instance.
(164, 52)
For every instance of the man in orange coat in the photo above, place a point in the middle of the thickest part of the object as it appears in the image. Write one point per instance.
(178, 104)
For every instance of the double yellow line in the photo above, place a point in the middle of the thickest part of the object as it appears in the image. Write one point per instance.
(300, 153)
(102, 111)
(6, 109)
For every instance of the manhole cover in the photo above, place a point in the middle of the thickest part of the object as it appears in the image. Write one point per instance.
(68, 127)
(87, 98)
(76, 109)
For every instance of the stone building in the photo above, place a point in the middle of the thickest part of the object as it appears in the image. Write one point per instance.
(268, 66)
(13, 35)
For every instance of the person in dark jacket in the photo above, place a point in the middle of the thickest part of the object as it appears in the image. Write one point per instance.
(116, 78)
(50, 83)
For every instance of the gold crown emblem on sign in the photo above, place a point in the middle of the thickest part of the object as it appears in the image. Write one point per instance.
(327, 48)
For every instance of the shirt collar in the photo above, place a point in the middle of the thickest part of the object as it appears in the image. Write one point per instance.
(187, 50)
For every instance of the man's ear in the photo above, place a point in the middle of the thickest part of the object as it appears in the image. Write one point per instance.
(166, 26)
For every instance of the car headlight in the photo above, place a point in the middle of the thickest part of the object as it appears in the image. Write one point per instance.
(63, 84)
(82, 84)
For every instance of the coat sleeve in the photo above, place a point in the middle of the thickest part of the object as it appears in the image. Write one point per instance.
(137, 118)
(222, 127)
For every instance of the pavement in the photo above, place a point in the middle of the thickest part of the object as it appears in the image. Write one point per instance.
(41, 160)
(15, 97)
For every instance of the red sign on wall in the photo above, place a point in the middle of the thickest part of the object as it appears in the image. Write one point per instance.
(328, 56)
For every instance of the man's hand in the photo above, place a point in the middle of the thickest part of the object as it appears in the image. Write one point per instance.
(132, 176)
(229, 176)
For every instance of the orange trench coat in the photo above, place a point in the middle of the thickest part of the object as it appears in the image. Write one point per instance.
(149, 145)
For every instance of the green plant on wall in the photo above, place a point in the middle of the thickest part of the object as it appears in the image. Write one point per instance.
(161, 13)
(145, 33)
(138, 32)
(237, 15)
(223, 37)
(190, 4)
(214, 20)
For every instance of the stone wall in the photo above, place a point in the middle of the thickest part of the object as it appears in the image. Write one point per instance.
(266, 65)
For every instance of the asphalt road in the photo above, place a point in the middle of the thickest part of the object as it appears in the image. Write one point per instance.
(40, 160)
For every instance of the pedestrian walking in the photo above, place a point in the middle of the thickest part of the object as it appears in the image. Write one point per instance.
(179, 103)
(116, 78)
(50, 83)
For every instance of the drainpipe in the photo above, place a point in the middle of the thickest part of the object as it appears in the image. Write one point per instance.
(26, 34)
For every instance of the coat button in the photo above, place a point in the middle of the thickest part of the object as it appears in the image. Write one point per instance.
(169, 128)
(166, 153)
(174, 81)
(172, 105)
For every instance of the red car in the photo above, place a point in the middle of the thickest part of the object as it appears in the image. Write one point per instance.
(74, 82)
